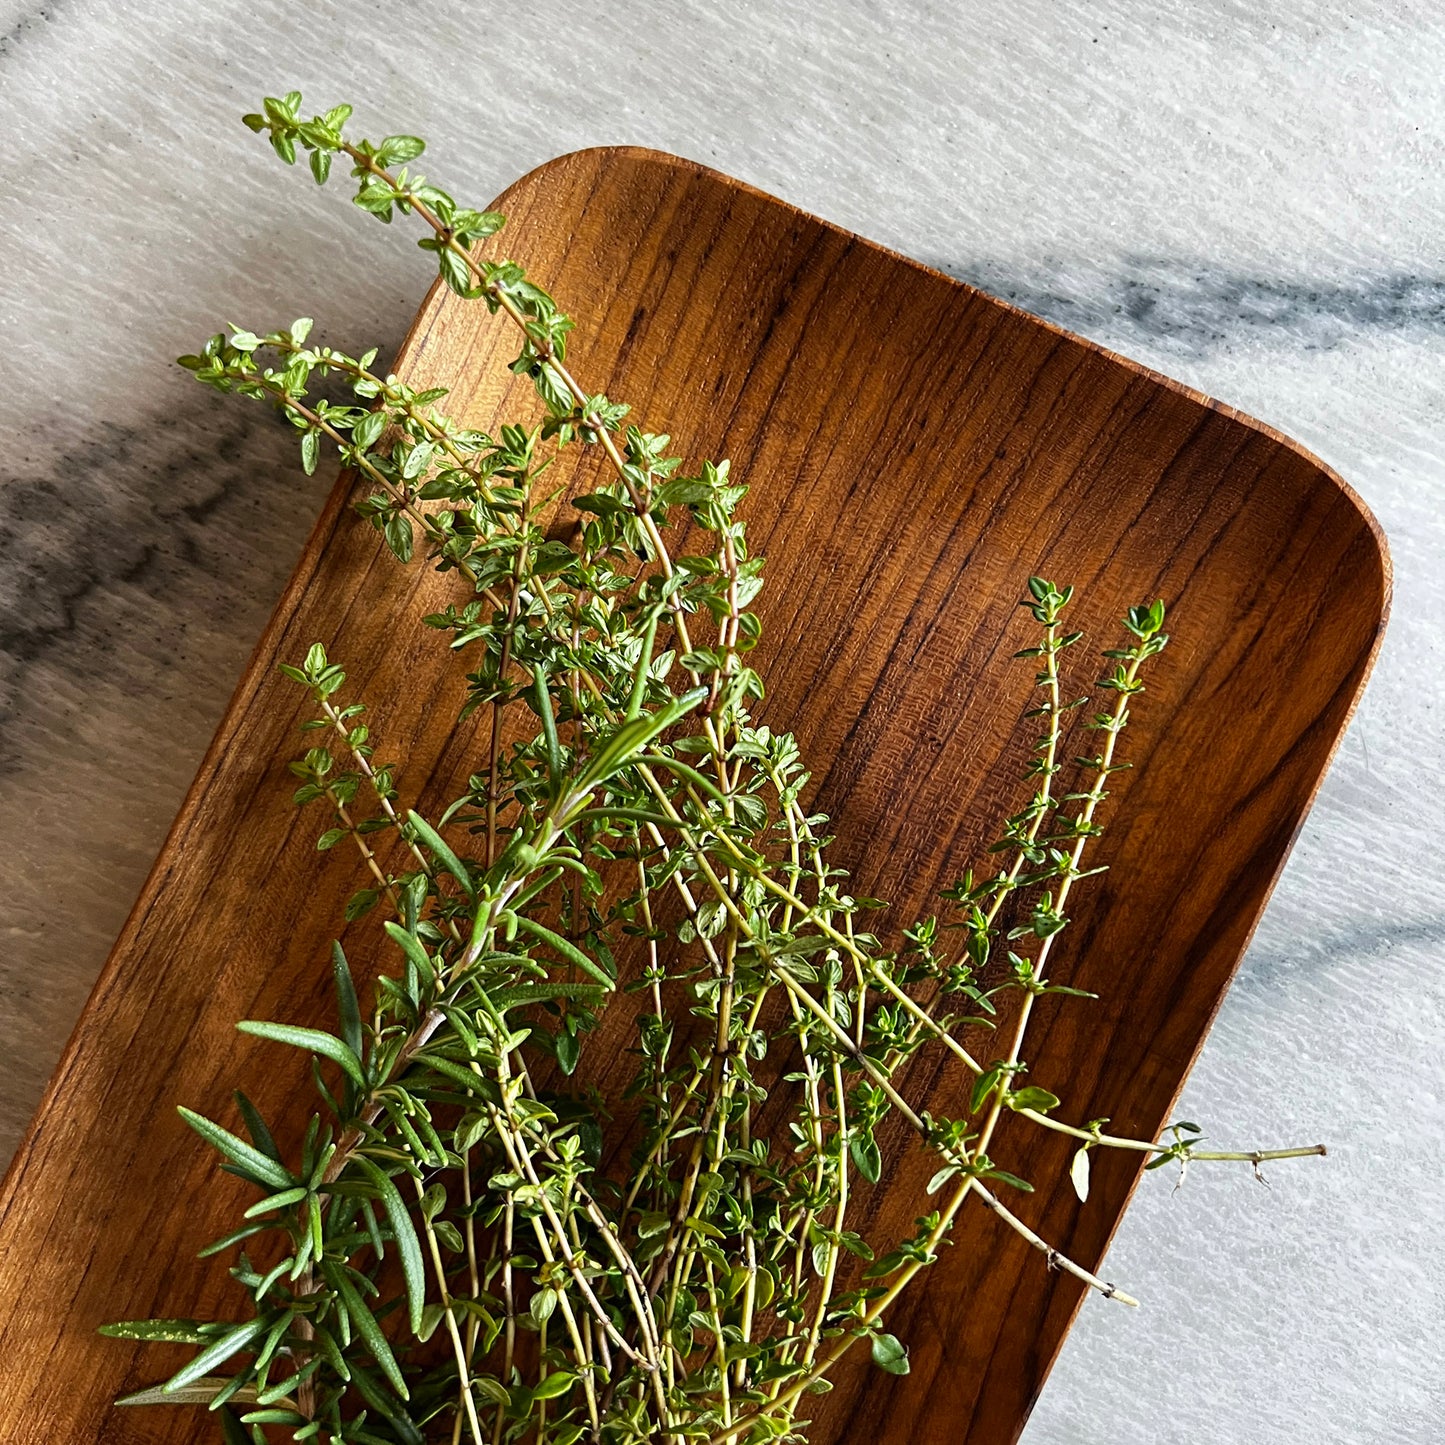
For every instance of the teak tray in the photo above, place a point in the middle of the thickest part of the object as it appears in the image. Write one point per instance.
(916, 449)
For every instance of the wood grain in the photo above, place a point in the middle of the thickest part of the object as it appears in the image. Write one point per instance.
(916, 449)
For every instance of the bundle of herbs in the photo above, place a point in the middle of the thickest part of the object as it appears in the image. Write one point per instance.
(471, 1244)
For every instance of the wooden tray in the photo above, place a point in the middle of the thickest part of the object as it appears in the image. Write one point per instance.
(916, 450)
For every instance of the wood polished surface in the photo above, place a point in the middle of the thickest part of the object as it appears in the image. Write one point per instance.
(916, 449)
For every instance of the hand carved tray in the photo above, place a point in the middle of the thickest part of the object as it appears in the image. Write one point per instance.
(916, 449)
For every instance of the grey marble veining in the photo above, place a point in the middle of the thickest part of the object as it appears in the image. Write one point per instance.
(1191, 309)
(1248, 196)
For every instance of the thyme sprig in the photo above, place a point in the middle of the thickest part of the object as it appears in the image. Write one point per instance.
(470, 1246)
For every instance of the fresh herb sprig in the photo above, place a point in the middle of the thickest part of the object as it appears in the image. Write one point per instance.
(469, 1246)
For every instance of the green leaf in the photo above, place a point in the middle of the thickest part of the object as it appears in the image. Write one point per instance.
(940, 1178)
(397, 150)
(316, 1040)
(235, 1237)
(683, 770)
(1004, 1177)
(889, 1353)
(256, 1127)
(273, 1202)
(348, 1008)
(331, 1351)
(202, 1392)
(1079, 1173)
(180, 1332)
(632, 737)
(454, 271)
(365, 433)
(463, 1078)
(431, 1317)
(232, 1342)
(252, 1162)
(527, 993)
(866, 1156)
(822, 1252)
(1033, 1097)
(543, 699)
(232, 1431)
(983, 1086)
(411, 945)
(557, 1383)
(377, 199)
(444, 854)
(413, 1267)
(569, 1050)
(567, 949)
(361, 903)
(399, 536)
(366, 1325)
(370, 1390)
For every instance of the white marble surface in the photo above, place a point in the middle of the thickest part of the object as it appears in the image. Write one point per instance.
(1249, 196)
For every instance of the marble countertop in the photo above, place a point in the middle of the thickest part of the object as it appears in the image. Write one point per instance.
(1248, 197)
